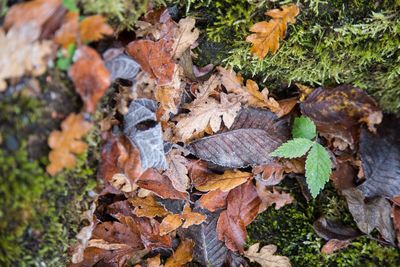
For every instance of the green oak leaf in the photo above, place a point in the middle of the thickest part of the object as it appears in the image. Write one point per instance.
(293, 148)
(304, 127)
(318, 169)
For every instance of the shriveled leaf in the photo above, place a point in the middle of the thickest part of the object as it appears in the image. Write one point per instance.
(304, 127)
(159, 184)
(268, 197)
(142, 128)
(147, 207)
(122, 66)
(370, 215)
(270, 174)
(213, 200)
(267, 34)
(318, 169)
(224, 182)
(90, 76)
(334, 245)
(242, 207)
(294, 148)
(155, 58)
(65, 143)
(21, 53)
(170, 223)
(186, 35)
(253, 136)
(37, 12)
(169, 98)
(338, 112)
(191, 218)
(67, 34)
(380, 158)
(265, 256)
(209, 113)
(177, 170)
(182, 255)
(93, 28)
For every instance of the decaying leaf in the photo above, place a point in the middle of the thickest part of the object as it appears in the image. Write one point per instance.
(270, 174)
(191, 218)
(380, 158)
(21, 53)
(267, 33)
(338, 112)
(242, 208)
(253, 136)
(65, 143)
(155, 58)
(177, 170)
(213, 200)
(154, 261)
(375, 213)
(224, 182)
(209, 113)
(334, 245)
(182, 255)
(268, 197)
(142, 128)
(68, 33)
(121, 66)
(147, 207)
(93, 28)
(90, 76)
(186, 35)
(265, 257)
(170, 223)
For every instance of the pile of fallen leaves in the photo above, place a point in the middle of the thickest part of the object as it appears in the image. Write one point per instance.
(191, 155)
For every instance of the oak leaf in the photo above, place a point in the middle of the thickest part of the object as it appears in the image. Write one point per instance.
(242, 208)
(66, 143)
(224, 182)
(155, 58)
(267, 34)
(185, 36)
(275, 196)
(177, 170)
(182, 255)
(265, 257)
(93, 28)
(90, 76)
(209, 113)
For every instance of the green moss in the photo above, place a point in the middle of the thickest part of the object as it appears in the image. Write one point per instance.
(290, 228)
(39, 216)
(344, 41)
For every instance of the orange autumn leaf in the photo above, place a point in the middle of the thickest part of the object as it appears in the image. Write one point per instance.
(90, 76)
(69, 30)
(147, 207)
(94, 28)
(65, 143)
(267, 34)
(213, 200)
(154, 261)
(224, 182)
(170, 223)
(182, 255)
(36, 11)
(191, 218)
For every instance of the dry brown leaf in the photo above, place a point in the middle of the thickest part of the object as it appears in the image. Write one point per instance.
(37, 12)
(177, 170)
(65, 143)
(154, 58)
(265, 257)
(169, 98)
(270, 174)
(209, 113)
(147, 207)
(170, 223)
(269, 197)
(213, 200)
(90, 76)
(267, 33)
(182, 255)
(224, 182)
(154, 261)
(21, 53)
(93, 28)
(185, 36)
(191, 218)
(68, 33)
(334, 245)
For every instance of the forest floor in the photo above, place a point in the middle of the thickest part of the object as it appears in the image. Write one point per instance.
(173, 133)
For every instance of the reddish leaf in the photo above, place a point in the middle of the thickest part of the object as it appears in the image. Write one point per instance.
(155, 58)
(68, 33)
(160, 185)
(242, 207)
(90, 76)
(334, 245)
(338, 112)
(213, 200)
(93, 28)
